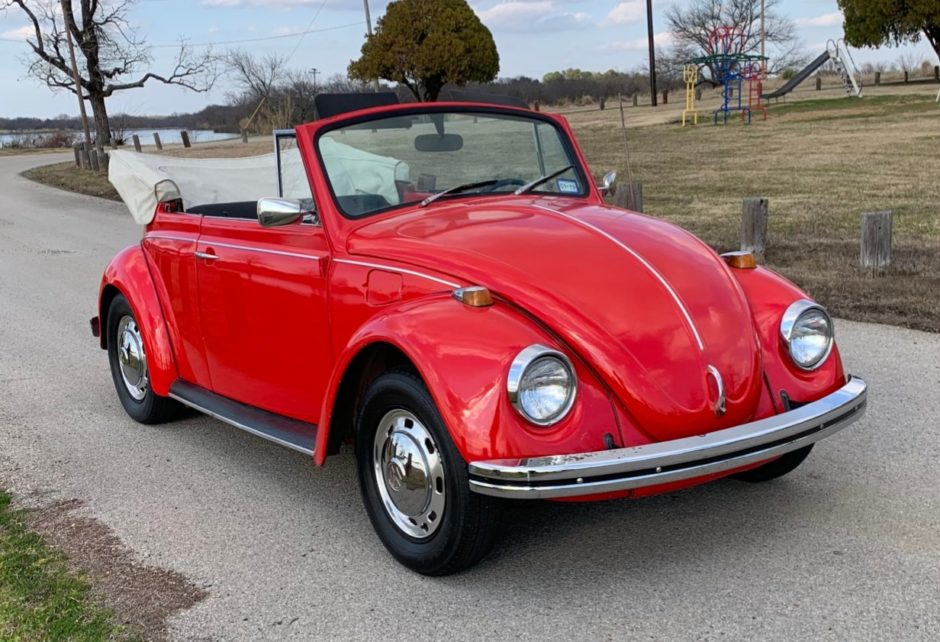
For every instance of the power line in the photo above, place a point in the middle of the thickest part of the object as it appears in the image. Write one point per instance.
(299, 34)
(309, 25)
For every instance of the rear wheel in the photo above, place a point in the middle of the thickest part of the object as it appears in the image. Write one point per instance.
(128, 359)
(414, 481)
(777, 468)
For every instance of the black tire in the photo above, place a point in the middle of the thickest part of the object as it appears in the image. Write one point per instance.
(151, 408)
(466, 530)
(777, 468)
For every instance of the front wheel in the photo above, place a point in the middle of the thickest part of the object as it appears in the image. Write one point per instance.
(414, 481)
(777, 468)
(129, 370)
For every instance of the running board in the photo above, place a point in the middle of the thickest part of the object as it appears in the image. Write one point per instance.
(293, 434)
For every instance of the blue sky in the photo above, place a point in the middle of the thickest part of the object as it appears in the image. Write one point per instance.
(533, 37)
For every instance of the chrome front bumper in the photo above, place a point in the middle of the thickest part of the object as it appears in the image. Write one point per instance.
(671, 461)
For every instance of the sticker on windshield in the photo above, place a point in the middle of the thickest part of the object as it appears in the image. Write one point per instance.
(567, 186)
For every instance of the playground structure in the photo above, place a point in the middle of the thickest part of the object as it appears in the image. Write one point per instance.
(690, 76)
(734, 70)
(841, 57)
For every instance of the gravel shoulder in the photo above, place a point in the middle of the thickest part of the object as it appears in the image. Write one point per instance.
(847, 547)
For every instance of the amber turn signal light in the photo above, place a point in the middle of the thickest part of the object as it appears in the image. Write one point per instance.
(740, 260)
(475, 296)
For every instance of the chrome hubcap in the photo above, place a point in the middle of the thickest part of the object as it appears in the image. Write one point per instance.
(131, 358)
(409, 473)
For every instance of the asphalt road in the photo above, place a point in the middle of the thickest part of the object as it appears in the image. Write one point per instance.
(847, 547)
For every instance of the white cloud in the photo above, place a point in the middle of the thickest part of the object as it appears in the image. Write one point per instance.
(276, 3)
(833, 19)
(627, 12)
(532, 15)
(662, 39)
(22, 33)
(515, 11)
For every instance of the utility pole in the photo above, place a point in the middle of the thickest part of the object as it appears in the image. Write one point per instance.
(649, 26)
(75, 77)
(368, 18)
(365, 4)
(314, 71)
(763, 38)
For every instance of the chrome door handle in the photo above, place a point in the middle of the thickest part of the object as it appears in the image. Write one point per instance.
(206, 256)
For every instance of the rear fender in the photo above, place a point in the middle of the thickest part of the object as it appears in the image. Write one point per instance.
(463, 355)
(128, 274)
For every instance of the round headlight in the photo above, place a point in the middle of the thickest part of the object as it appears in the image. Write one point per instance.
(542, 385)
(807, 331)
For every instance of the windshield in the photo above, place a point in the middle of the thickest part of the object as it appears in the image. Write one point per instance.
(383, 163)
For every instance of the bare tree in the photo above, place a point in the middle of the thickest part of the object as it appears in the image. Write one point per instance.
(692, 24)
(909, 62)
(112, 56)
(257, 82)
(255, 78)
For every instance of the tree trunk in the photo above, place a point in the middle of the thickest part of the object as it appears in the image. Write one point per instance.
(933, 37)
(102, 123)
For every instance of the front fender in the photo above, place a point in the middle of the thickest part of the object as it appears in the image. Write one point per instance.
(769, 295)
(128, 273)
(463, 355)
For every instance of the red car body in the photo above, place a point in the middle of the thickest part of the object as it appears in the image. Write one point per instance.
(295, 320)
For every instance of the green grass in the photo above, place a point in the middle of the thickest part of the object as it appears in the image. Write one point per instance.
(40, 597)
(874, 107)
(68, 177)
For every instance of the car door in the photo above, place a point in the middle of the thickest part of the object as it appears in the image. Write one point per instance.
(263, 310)
(169, 242)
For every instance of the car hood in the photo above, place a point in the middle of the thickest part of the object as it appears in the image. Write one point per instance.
(648, 306)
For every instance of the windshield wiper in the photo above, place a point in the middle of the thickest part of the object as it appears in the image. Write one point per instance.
(528, 187)
(459, 188)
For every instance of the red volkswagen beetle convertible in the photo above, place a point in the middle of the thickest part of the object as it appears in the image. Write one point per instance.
(444, 286)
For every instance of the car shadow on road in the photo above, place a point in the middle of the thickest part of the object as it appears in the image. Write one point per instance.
(726, 517)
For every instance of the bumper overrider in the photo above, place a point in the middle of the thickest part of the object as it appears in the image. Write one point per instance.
(671, 461)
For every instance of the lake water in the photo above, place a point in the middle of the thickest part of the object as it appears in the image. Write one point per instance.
(167, 136)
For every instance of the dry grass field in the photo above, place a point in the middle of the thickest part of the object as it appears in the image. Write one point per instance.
(821, 158)
(821, 163)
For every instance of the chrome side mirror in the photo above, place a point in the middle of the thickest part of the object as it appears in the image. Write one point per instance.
(276, 212)
(608, 184)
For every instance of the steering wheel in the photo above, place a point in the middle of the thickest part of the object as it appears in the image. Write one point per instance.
(503, 182)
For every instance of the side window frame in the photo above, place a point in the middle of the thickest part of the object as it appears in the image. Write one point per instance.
(279, 135)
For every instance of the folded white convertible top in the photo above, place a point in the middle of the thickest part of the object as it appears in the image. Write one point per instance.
(143, 180)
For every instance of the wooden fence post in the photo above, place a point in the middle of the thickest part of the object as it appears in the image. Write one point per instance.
(136, 140)
(86, 161)
(907, 76)
(184, 135)
(818, 83)
(629, 196)
(876, 240)
(603, 102)
(754, 216)
(77, 148)
(936, 73)
(157, 141)
(93, 157)
(665, 96)
(636, 100)
(877, 78)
